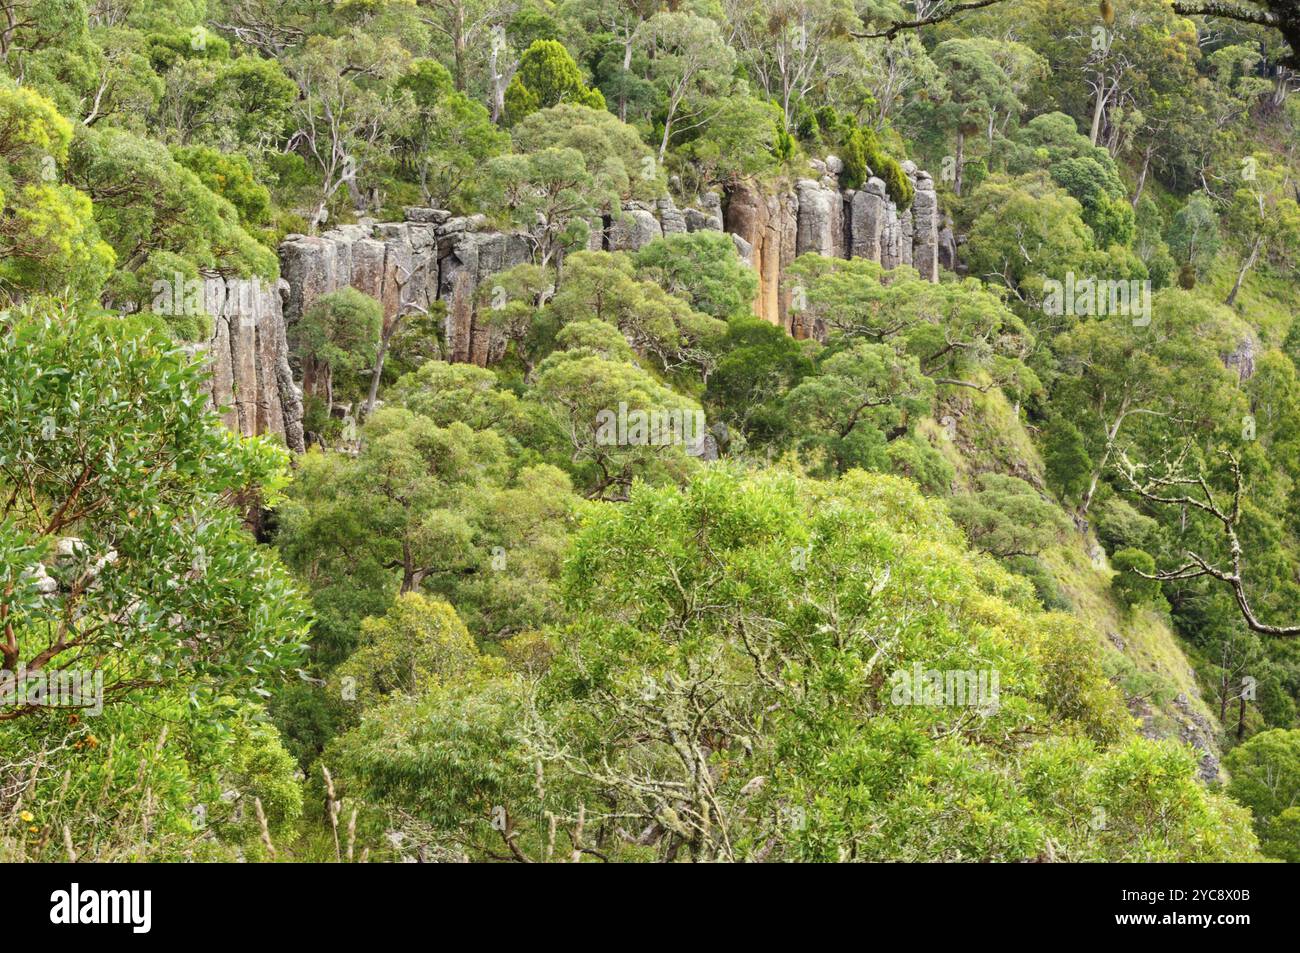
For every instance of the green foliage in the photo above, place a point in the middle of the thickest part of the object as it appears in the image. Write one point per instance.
(600, 338)
(915, 458)
(1125, 382)
(231, 177)
(859, 399)
(339, 334)
(168, 49)
(158, 766)
(583, 395)
(864, 158)
(549, 192)
(514, 588)
(621, 166)
(1007, 517)
(548, 76)
(1139, 800)
(427, 508)
(446, 393)
(1131, 588)
(447, 138)
(1025, 230)
(759, 362)
(146, 203)
(1066, 462)
(1120, 526)
(745, 137)
(1105, 207)
(49, 239)
(832, 743)
(1077, 688)
(1088, 173)
(415, 645)
(984, 82)
(1266, 778)
(126, 473)
(606, 287)
(1194, 237)
(701, 268)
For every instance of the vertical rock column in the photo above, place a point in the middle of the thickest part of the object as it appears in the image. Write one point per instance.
(249, 356)
(466, 260)
(907, 221)
(925, 242)
(819, 219)
(747, 220)
(821, 231)
(891, 238)
(868, 226)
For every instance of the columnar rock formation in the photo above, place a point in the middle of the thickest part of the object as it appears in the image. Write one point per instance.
(407, 266)
(765, 227)
(249, 359)
(435, 256)
(772, 229)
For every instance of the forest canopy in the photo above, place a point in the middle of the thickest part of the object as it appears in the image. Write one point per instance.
(631, 431)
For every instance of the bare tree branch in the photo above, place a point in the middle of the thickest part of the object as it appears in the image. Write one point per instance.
(1179, 488)
(942, 14)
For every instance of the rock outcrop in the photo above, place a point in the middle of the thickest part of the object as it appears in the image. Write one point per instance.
(248, 356)
(925, 241)
(768, 224)
(465, 262)
(407, 266)
(1242, 359)
(635, 227)
(434, 256)
(817, 217)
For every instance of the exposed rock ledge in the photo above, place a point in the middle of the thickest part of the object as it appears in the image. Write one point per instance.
(435, 256)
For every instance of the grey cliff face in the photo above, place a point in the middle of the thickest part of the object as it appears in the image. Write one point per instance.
(434, 256)
(249, 358)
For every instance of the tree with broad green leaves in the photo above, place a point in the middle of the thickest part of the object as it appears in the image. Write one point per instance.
(604, 286)
(735, 685)
(690, 64)
(620, 163)
(338, 335)
(1266, 778)
(1006, 517)
(550, 193)
(984, 79)
(701, 268)
(122, 549)
(152, 209)
(341, 119)
(412, 646)
(446, 137)
(758, 363)
(1265, 221)
(859, 400)
(1124, 381)
(1194, 236)
(792, 47)
(961, 333)
(585, 394)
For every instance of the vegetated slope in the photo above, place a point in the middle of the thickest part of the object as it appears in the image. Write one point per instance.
(520, 639)
(1137, 646)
